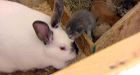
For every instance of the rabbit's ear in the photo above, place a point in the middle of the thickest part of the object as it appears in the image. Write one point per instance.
(43, 31)
(57, 13)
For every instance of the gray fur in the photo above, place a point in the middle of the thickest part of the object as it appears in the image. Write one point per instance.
(80, 22)
(57, 13)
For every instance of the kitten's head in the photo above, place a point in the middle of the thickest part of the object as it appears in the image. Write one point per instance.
(74, 29)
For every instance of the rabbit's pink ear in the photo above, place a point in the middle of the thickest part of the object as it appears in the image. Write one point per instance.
(43, 31)
(57, 13)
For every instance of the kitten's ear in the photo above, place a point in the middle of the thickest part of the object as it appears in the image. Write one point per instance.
(43, 31)
(57, 13)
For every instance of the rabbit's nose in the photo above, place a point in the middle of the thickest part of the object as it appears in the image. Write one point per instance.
(75, 48)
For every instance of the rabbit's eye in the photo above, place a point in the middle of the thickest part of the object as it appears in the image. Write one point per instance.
(62, 48)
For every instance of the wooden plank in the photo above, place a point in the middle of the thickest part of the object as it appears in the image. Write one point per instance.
(125, 27)
(109, 61)
(83, 42)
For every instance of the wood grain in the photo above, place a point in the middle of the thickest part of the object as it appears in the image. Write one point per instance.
(125, 27)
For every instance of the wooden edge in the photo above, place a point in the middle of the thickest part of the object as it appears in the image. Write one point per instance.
(107, 61)
(128, 68)
(101, 42)
(83, 42)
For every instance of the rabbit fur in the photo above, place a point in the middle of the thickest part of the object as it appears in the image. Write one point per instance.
(21, 47)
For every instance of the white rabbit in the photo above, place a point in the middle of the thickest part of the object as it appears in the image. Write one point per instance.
(30, 39)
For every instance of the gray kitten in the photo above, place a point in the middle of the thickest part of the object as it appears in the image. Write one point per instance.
(80, 22)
